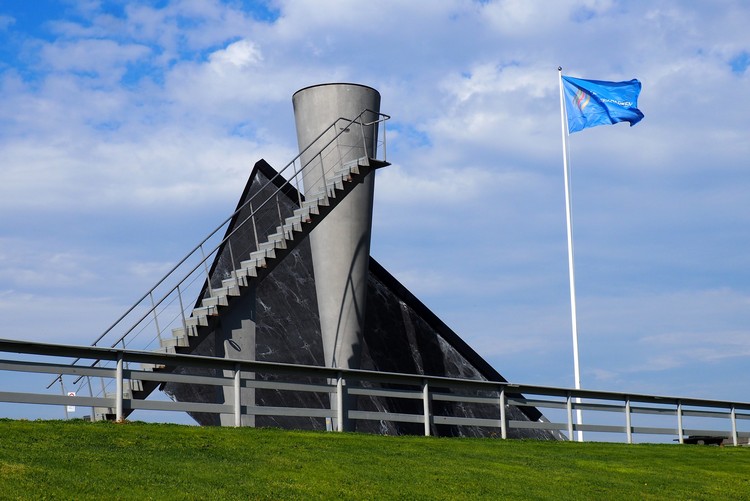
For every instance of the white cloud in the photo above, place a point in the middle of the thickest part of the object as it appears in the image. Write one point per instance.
(106, 59)
(25, 267)
(143, 127)
(516, 18)
(54, 319)
(397, 185)
(241, 54)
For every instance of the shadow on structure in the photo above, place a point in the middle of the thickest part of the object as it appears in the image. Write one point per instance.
(401, 335)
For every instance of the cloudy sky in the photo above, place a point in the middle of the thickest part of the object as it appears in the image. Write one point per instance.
(128, 130)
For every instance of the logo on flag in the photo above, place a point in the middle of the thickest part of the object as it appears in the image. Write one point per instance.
(589, 103)
(581, 99)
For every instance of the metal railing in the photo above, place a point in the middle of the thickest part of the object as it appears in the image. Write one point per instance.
(164, 307)
(730, 420)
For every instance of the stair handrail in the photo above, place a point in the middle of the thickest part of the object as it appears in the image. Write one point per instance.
(381, 118)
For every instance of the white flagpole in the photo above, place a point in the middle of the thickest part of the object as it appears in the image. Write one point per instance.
(568, 217)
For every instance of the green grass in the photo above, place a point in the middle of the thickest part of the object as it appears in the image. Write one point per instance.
(78, 460)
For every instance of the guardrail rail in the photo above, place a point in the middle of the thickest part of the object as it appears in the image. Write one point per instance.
(730, 420)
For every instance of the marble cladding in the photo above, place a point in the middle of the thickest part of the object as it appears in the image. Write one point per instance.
(401, 335)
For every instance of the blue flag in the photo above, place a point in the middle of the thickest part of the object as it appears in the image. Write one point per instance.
(589, 103)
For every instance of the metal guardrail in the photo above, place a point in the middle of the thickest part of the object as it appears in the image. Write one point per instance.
(163, 307)
(339, 383)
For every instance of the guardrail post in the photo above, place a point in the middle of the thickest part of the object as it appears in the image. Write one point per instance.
(385, 142)
(235, 264)
(119, 389)
(340, 410)
(281, 218)
(255, 229)
(362, 129)
(182, 310)
(569, 406)
(426, 405)
(297, 174)
(323, 174)
(126, 365)
(733, 418)
(628, 426)
(208, 274)
(103, 392)
(680, 431)
(62, 392)
(91, 394)
(338, 144)
(156, 320)
(237, 396)
(503, 415)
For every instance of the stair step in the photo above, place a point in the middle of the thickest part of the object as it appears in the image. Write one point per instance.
(335, 183)
(314, 201)
(244, 281)
(344, 177)
(280, 234)
(230, 282)
(245, 272)
(190, 330)
(228, 290)
(196, 321)
(306, 211)
(303, 215)
(169, 350)
(352, 166)
(273, 243)
(289, 230)
(136, 384)
(180, 340)
(262, 254)
(348, 170)
(229, 287)
(296, 221)
(170, 341)
(252, 263)
(151, 367)
(215, 300)
(204, 311)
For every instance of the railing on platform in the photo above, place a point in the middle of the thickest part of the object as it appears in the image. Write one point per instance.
(732, 418)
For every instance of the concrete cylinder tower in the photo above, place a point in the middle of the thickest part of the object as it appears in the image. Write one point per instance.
(341, 242)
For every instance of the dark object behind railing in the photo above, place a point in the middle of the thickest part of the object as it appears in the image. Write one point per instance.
(359, 382)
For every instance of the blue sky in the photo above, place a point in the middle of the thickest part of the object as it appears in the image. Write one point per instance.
(128, 130)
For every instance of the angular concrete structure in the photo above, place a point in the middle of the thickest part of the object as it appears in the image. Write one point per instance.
(400, 335)
(307, 292)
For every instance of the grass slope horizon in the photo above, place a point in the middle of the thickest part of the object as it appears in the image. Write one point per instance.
(80, 460)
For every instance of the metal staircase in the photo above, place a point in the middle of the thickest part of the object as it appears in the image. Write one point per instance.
(262, 261)
(162, 309)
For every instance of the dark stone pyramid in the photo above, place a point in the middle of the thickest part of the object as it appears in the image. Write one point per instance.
(401, 335)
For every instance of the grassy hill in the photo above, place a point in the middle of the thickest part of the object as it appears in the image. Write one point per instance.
(79, 460)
